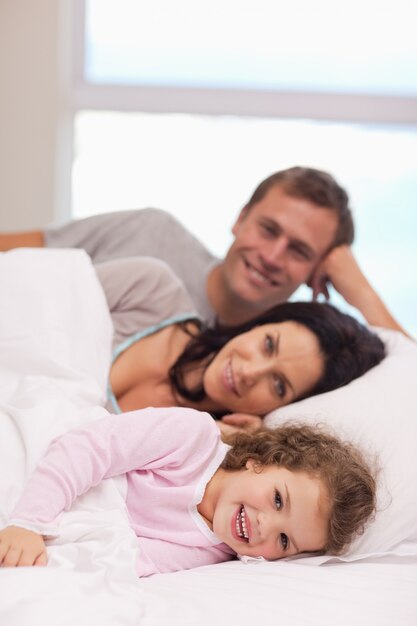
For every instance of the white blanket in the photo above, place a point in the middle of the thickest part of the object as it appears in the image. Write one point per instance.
(55, 336)
(55, 345)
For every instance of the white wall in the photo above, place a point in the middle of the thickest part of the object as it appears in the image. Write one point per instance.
(34, 115)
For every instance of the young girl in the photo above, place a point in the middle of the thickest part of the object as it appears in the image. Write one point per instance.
(194, 500)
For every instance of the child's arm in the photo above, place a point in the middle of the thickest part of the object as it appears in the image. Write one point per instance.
(20, 547)
(147, 439)
(77, 461)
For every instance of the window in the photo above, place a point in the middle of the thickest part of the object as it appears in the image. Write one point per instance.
(358, 47)
(165, 118)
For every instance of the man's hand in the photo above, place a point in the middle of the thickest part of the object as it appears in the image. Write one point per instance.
(20, 547)
(340, 269)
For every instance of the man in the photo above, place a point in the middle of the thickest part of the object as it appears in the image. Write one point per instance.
(296, 228)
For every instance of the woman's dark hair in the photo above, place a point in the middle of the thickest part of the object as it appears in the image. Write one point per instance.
(349, 349)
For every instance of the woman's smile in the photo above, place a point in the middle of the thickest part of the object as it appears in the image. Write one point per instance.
(228, 378)
(263, 369)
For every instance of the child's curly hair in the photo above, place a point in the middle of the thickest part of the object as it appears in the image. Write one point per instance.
(347, 477)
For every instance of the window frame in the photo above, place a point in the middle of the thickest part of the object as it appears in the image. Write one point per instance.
(314, 105)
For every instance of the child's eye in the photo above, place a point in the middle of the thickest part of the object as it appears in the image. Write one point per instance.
(278, 500)
(269, 344)
(279, 387)
(283, 540)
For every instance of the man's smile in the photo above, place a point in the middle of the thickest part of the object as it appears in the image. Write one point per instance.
(261, 277)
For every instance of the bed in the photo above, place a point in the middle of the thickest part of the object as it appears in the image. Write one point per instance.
(55, 344)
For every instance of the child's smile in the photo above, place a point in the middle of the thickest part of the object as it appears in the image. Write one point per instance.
(242, 525)
(272, 512)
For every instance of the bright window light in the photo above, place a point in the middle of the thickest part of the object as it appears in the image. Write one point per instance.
(363, 46)
(203, 170)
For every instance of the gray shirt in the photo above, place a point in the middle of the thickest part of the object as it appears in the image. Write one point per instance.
(142, 293)
(142, 232)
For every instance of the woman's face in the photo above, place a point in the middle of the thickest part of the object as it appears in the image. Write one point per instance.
(264, 368)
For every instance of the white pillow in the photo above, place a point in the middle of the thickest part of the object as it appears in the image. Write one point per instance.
(54, 309)
(379, 413)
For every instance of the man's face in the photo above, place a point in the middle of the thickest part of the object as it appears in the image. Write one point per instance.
(278, 243)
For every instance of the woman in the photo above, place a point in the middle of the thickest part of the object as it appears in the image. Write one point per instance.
(164, 356)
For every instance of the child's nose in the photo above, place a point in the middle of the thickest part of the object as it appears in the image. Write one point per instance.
(272, 526)
(268, 524)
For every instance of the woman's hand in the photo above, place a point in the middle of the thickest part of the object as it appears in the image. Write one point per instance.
(242, 422)
(20, 547)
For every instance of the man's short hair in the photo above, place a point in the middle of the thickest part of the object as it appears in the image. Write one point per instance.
(318, 187)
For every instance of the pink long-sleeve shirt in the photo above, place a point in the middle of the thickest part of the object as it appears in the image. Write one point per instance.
(168, 455)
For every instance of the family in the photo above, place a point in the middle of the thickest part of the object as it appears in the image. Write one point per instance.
(197, 338)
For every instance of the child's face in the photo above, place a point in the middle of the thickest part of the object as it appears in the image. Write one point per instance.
(272, 513)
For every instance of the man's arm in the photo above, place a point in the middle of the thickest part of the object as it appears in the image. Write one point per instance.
(29, 239)
(341, 269)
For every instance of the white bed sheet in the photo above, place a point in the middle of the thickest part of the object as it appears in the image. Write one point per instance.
(55, 346)
(55, 336)
(336, 594)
